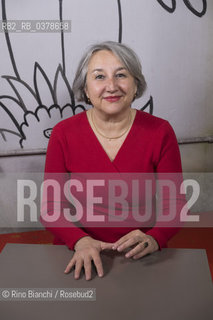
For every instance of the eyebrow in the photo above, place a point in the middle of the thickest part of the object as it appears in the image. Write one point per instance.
(101, 70)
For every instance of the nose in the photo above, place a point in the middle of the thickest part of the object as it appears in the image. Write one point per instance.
(111, 85)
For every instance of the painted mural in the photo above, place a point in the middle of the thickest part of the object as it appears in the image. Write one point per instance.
(31, 105)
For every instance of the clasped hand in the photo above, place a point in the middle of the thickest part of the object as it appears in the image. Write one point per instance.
(135, 244)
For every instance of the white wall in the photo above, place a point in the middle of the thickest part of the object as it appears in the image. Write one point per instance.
(176, 54)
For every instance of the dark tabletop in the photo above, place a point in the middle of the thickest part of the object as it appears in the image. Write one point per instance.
(169, 284)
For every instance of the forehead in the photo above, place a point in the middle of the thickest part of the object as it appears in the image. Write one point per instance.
(103, 59)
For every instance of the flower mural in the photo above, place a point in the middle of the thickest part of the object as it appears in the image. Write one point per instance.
(31, 127)
(43, 118)
(189, 5)
(39, 117)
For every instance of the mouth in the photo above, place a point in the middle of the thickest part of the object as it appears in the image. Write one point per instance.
(112, 98)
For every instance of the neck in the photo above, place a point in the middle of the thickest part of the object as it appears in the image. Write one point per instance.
(112, 127)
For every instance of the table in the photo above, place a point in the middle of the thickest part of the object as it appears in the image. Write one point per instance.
(169, 284)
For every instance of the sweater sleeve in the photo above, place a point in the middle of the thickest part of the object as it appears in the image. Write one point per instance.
(168, 166)
(65, 232)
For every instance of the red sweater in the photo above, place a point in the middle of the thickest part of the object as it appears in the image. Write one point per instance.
(150, 146)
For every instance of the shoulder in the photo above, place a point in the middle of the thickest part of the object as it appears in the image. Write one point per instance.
(149, 122)
(154, 129)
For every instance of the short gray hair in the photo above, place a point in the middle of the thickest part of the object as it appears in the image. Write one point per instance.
(126, 55)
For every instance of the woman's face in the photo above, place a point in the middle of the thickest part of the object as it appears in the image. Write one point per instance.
(109, 85)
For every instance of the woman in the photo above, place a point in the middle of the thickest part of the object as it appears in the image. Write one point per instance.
(111, 137)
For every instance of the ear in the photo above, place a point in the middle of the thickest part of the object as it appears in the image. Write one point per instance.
(136, 87)
(86, 95)
(135, 94)
(86, 91)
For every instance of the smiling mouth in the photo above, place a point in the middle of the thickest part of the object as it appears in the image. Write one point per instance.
(112, 98)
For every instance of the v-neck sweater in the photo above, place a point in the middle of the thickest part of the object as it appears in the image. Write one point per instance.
(150, 147)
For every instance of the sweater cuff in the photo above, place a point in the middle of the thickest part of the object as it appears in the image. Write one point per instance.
(162, 235)
(159, 237)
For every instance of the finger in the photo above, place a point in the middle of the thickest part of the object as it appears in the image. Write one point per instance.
(127, 244)
(137, 234)
(69, 266)
(121, 241)
(106, 245)
(142, 254)
(138, 249)
(147, 249)
(87, 268)
(98, 265)
(78, 267)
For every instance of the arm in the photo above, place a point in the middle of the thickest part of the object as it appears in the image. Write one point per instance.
(86, 248)
(168, 166)
(55, 168)
(167, 163)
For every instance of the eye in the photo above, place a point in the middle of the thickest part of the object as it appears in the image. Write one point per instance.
(120, 75)
(99, 77)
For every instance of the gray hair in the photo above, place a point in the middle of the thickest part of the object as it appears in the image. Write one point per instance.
(126, 55)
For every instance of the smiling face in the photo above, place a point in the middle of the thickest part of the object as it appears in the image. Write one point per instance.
(109, 85)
